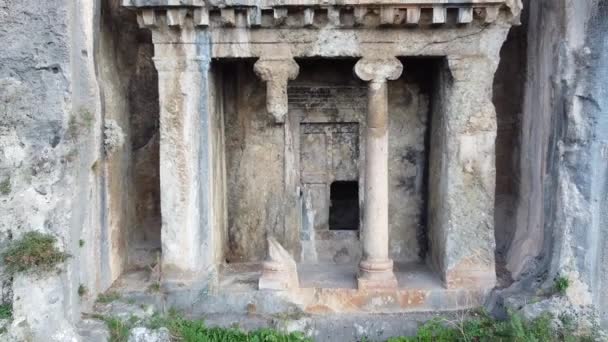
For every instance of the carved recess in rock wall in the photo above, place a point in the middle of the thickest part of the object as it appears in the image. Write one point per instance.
(192, 32)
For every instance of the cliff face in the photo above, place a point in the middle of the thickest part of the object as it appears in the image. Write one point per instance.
(67, 70)
(50, 137)
(560, 221)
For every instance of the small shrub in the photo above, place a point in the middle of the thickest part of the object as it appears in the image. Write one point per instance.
(119, 329)
(154, 288)
(81, 242)
(561, 285)
(79, 122)
(5, 187)
(6, 311)
(108, 297)
(33, 252)
(82, 290)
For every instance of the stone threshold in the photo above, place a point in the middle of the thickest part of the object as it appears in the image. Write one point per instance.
(324, 290)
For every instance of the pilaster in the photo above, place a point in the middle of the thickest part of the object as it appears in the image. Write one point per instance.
(186, 159)
(462, 210)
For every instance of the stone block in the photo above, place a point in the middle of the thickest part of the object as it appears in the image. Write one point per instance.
(280, 269)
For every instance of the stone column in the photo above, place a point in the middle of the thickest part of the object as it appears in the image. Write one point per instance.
(462, 175)
(188, 242)
(376, 268)
(276, 72)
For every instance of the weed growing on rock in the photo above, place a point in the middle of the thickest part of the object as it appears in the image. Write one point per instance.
(81, 242)
(80, 122)
(6, 311)
(119, 329)
(33, 252)
(108, 297)
(82, 290)
(154, 288)
(5, 187)
(561, 285)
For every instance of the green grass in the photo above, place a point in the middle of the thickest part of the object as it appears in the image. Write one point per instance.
(185, 330)
(34, 251)
(6, 311)
(485, 328)
(561, 285)
(108, 297)
(119, 329)
(478, 327)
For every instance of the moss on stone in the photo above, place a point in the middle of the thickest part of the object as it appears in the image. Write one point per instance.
(6, 311)
(82, 290)
(108, 297)
(5, 187)
(34, 251)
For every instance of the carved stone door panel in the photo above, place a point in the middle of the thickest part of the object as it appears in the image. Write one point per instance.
(329, 152)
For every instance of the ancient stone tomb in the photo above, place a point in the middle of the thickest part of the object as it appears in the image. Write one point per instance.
(336, 156)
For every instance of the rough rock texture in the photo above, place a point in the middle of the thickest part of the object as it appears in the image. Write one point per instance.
(560, 229)
(509, 84)
(126, 73)
(114, 138)
(149, 335)
(50, 142)
(56, 88)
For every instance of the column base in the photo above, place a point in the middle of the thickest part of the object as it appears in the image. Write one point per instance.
(376, 276)
(275, 277)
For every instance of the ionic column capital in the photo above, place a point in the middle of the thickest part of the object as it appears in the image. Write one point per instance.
(378, 69)
(276, 72)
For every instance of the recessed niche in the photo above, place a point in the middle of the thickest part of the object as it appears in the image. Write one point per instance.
(344, 207)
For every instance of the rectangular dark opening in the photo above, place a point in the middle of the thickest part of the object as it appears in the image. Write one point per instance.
(344, 208)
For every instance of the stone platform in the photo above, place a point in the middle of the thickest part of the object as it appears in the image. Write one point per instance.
(324, 290)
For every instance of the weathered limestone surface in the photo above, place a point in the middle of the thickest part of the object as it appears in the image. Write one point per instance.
(50, 141)
(463, 174)
(186, 161)
(254, 151)
(560, 228)
(327, 96)
(276, 71)
(280, 270)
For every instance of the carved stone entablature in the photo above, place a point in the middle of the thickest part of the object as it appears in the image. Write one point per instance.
(320, 13)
